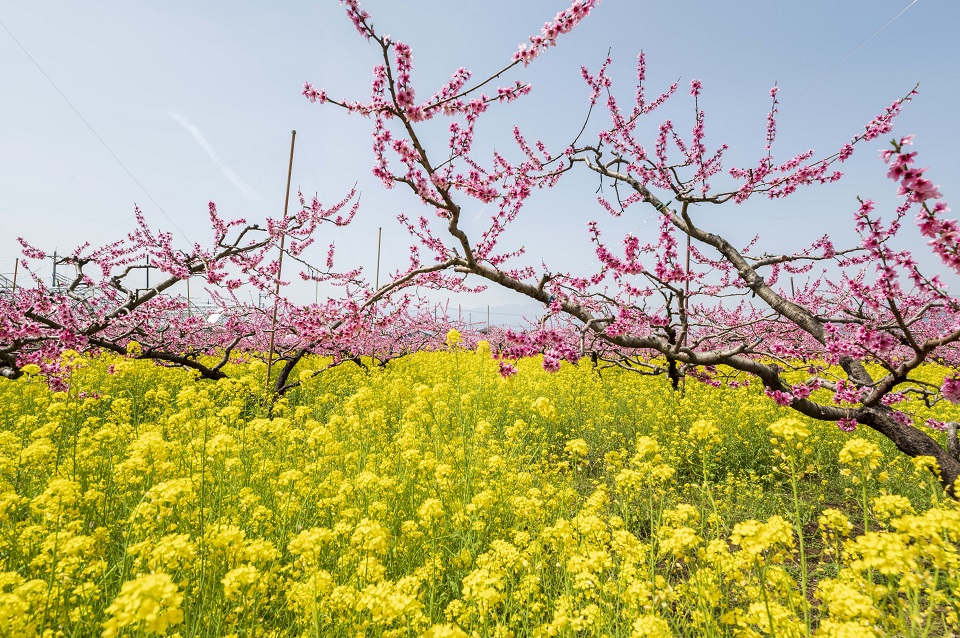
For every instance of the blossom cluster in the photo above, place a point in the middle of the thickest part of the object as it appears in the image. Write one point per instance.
(433, 497)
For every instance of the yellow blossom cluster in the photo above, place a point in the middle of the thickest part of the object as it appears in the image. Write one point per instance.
(431, 497)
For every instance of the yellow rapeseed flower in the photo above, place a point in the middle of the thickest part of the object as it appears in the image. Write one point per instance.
(789, 429)
(679, 541)
(453, 337)
(577, 448)
(889, 553)
(650, 626)
(830, 628)
(924, 464)
(755, 537)
(846, 600)
(543, 407)
(430, 512)
(704, 431)
(833, 523)
(371, 536)
(859, 452)
(887, 506)
(30, 369)
(239, 581)
(449, 630)
(682, 514)
(149, 603)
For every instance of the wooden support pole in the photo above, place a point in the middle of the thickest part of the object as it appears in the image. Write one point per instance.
(376, 285)
(276, 299)
(13, 292)
(686, 291)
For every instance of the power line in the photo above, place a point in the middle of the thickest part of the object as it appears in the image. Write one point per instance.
(225, 167)
(855, 49)
(247, 199)
(834, 67)
(199, 181)
(92, 130)
(339, 230)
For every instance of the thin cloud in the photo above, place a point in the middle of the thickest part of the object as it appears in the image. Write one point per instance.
(479, 214)
(205, 145)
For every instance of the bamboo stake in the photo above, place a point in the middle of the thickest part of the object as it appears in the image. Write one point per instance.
(276, 299)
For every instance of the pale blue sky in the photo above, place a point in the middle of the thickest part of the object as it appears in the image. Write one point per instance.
(178, 90)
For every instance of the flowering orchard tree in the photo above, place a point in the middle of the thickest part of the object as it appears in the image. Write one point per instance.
(101, 307)
(845, 347)
(374, 335)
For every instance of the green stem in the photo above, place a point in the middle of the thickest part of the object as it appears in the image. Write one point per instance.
(866, 510)
(766, 600)
(798, 523)
(927, 624)
(708, 490)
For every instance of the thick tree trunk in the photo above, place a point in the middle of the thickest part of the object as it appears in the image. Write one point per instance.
(673, 371)
(214, 374)
(914, 443)
(8, 366)
(280, 386)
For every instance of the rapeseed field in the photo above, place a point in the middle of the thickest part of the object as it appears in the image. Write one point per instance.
(431, 497)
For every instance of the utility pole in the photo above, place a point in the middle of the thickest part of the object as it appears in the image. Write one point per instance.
(53, 280)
